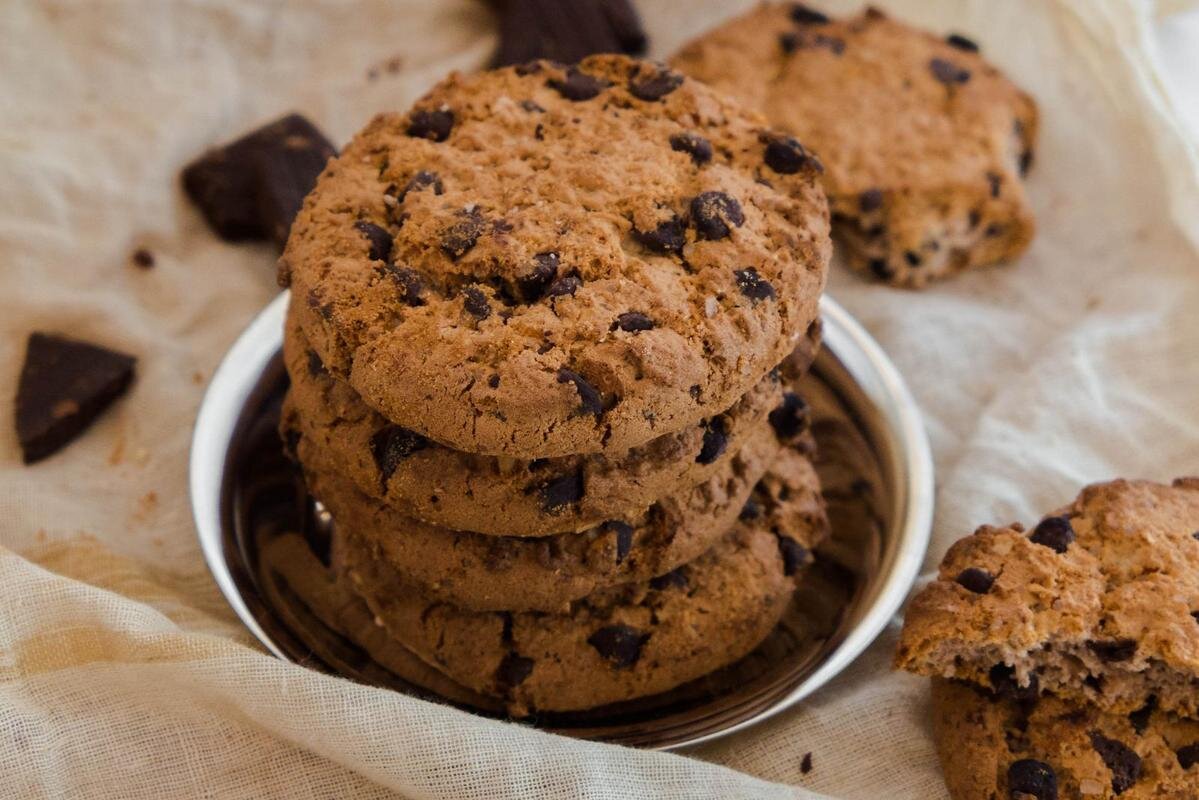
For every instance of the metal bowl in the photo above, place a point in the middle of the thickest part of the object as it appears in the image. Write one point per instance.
(878, 481)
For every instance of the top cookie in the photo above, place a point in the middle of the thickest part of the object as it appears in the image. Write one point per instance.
(544, 260)
(1099, 603)
(924, 143)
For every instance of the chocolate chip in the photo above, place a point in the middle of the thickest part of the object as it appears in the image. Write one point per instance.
(316, 367)
(753, 285)
(1033, 778)
(790, 418)
(513, 670)
(1113, 650)
(974, 217)
(624, 537)
(870, 200)
(961, 43)
(433, 124)
(1004, 684)
(1140, 718)
(1188, 756)
(675, 579)
(633, 321)
(559, 492)
(913, 258)
(668, 237)
(803, 15)
(947, 72)
(656, 86)
(976, 580)
(996, 183)
(619, 644)
(1055, 533)
(539, 132)
(699, 148)
(410, 283)
(391, 445)
(422, 180)
(716, 440)
(462, 234)
(750, 511)
(578, 85)
(1025, 162)
(64, 386)
(786, 156)
(715, 214)
(880, 268)
(534, 285)
(494, 381)
(1121, 760)
(378, 238)
(475, 302)
(1094, 682)
(564, 286)
(794, 554)
(993, 230)
(143, 258)
(789, 42)
(590, 401)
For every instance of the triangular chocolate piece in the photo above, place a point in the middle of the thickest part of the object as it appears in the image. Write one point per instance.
(64, 385)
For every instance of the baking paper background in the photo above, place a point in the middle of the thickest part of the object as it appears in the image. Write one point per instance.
(122, 672)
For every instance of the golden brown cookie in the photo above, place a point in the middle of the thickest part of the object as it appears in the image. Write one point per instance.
(546, 260)
(925, 145)
(1098, 604)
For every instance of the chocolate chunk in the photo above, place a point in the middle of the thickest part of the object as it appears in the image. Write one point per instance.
(1188, 756)
(578, 85)
(1113, 650)
(270, 169)
(565, 32)
(590, 401)
(667, 237)
(1033, 778)
(1025, 162)
(461, 235)
(794, 555)
(790, 418)
(789, 42)
(976, 580)
(432, 124)
(786, 156)
(624, 537)
(1121, 760)
(391, 445)
(715, 214)
(753, 285)
(513, 670)
(143, 258)
(1004, 684)
(316, 367)
(750, 511)
(1055, 533)
(948, 72)
(64, 386)
(913, 258)
(493, 381)
(557, 493)
(656, 86)
(1139, 719)
(974, 217)
(379, 240)
(410, 283)
(1195, 615)
(620, 645)
(716, 440)
(564, 286)
(870, 200)
(534, 285)
(995, 182)
(880, 268)
(803, 15)
(633, 321)
(475, 302)
(699, 148)
(675, 579)
(805, 764)
(422, 180)
(961, 43)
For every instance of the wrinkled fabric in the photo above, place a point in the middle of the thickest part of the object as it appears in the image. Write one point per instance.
(122, 671)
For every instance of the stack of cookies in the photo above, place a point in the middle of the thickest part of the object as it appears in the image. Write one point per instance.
(543, 337)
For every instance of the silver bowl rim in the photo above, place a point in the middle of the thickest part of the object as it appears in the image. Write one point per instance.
(907, 449)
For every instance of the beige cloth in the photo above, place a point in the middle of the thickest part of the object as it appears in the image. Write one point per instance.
(122, 672)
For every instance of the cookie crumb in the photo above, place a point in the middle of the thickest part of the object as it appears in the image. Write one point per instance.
(142, 258)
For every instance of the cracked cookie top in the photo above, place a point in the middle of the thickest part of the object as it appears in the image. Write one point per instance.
(544, 260)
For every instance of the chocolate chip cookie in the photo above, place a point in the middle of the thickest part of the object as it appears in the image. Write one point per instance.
(545, 260)
(999, 746)
(1098, 603)
(338, 433)
(629, 641)
(925, 145)
(488, 573)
